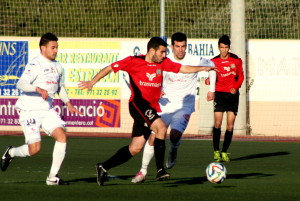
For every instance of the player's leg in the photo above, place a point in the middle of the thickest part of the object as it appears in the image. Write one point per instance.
(31, 128)
(54, 126)
(140, 133)
(160, 129)
(232, 109)
(218, 116)
(228, 135)
(120, 157)
(179, 122)
(148, 154)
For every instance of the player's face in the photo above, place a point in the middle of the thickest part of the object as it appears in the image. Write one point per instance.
(50, 50)
(224, 50)
(179, 49)
(159, 54)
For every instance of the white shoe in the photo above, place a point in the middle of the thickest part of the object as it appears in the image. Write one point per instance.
(56, 181)
(171, 158)
(139, 178)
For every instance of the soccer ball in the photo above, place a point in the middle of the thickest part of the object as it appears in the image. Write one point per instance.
(216, 172)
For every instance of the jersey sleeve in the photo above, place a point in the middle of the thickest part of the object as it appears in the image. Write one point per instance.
(121, 64)
(171, 66)
(27, 78)
(239, 74)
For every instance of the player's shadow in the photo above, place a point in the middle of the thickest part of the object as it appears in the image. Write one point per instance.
(201, 180)
(261, 155)
(94, 179)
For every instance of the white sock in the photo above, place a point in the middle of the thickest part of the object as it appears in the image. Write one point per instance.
(21, 151)
(58, 155)
(147, 156)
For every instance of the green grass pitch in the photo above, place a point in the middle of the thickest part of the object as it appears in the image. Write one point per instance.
(259, 171)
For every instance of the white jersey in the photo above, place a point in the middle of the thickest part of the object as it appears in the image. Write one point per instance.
(44, 73)
(179, 88)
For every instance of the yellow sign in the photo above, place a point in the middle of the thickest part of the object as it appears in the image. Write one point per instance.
(96, 92)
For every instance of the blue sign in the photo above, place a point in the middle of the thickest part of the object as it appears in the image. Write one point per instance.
(13, 59)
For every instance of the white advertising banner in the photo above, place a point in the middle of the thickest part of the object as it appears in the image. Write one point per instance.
(274, 70)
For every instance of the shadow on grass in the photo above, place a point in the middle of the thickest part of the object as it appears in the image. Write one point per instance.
(94, 179)
(262, 155)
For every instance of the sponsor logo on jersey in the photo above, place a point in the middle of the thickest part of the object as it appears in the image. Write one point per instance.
(150, 76)
(116, 65)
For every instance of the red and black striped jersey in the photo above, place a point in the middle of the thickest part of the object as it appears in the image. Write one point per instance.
(230, 73)
(145, 78)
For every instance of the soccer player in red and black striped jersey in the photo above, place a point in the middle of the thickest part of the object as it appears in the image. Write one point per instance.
(145, 73)
(230, 77)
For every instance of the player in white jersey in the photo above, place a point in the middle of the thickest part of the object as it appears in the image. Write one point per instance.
(40, 81)
(178, 101)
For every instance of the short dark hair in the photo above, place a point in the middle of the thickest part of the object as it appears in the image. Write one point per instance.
(46, 38)
(155, 42)
(178, 36)
(225, 40)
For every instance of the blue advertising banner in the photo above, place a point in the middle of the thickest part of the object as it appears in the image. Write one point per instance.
(13, 59)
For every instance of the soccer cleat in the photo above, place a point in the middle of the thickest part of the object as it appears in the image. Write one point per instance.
(54, 181)
(101, 174)
(139, 178)
(217, 156)
(171, 158)
(225, 157)
(6, 159)
(162, 175)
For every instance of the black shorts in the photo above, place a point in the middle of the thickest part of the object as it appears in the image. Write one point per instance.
(143, 115)
(225, 101)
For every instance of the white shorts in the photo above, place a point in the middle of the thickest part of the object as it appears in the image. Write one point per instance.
(32, 121)
(177, 120)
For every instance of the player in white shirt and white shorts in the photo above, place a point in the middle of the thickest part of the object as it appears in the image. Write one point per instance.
(40, 81)
(177, 102)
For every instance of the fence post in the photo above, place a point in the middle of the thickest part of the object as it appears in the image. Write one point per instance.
(238, 46)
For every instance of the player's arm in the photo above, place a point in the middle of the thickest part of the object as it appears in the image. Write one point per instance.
(195, 69)
(212, 76)
(26, 80)
(101, 74)
(240, 75)
(64, 97)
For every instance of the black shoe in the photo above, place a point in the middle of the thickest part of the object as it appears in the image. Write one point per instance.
(162, 175)
(56, 181)
(101, 174)
(6, 159)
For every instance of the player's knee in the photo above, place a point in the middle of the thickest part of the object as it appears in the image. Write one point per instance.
(175, 136)
(135, 150)
(33, 150)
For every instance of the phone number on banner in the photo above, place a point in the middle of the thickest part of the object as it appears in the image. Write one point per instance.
(9, 92)
(96, 92)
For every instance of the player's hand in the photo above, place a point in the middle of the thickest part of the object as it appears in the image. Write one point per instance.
(72, 109)
(162, 94)
(210, 96)
(42, 92)
(207, 81)
(233, 91)
(85, 85)
(210, 68)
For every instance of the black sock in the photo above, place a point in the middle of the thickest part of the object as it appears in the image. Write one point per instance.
(122, 156)
(159, 152)
(216, 138)
(227, 140)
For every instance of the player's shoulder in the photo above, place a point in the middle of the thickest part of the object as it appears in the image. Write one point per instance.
(33, 63)
(216, 57)
(234, 56)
